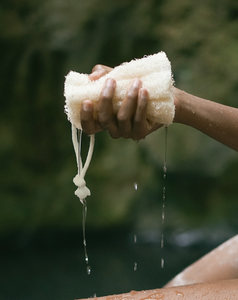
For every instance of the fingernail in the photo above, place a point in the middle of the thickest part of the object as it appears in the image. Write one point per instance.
(110, 82)
(143, 93)
(94, 73)
(136, 83)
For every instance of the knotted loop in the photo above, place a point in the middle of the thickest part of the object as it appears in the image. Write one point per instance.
(82, 191)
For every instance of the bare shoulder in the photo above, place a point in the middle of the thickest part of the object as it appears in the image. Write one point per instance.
(217, 290)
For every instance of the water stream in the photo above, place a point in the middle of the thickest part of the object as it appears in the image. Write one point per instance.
(84, 206)
(164, 195)
(135, 236)
(84, 236)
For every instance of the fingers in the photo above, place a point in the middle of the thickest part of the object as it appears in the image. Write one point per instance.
(140, 124)
(131, 119)
(105, 108)
(89, 125)
(99, 71)
(105, 117)
(127, 110)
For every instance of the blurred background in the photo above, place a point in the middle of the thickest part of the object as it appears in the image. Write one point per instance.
(41, 241)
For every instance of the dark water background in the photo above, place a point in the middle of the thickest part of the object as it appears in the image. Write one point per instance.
(50, 264)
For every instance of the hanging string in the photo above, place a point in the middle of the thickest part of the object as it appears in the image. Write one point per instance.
(82, 191)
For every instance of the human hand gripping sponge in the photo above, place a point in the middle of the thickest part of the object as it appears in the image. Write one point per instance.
(156, 76)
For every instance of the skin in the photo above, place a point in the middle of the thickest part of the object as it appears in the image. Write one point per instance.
(215, 276)
(216, 120)
(130, 121)
(225, 290)
(219, 264)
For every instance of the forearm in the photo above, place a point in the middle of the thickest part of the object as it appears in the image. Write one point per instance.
(216, 120)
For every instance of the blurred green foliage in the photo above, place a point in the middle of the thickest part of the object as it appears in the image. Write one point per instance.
(41, 41)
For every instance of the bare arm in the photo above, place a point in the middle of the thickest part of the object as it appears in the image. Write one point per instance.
(216, 120)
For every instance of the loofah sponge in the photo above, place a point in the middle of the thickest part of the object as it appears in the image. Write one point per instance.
(155, 74)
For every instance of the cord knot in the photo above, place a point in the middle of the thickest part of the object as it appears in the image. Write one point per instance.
(82, 191)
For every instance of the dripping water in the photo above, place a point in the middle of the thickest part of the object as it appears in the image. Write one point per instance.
(162, 263)
(84, 236)
(136, 186)
(135, 241)
(164, 195)
(135, 236)
(84, 206)
(135, 266)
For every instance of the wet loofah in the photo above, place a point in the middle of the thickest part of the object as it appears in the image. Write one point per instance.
(155, 74)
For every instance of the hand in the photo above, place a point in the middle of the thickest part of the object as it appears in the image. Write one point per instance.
(130, 121)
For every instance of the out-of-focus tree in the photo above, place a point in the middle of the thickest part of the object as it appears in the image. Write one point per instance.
(41, 41)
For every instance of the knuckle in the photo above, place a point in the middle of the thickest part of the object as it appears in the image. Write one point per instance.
(142, 105)
(122, 118)
(132, 94)
(107, 94)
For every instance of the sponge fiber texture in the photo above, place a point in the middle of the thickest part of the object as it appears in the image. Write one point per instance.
(155, 74)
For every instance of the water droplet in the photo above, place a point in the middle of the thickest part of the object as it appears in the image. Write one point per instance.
(162, 241)
(163, 216)
(86, 259)
(136, 186)
(162, 263)
(95, 295)
(135, 266)
(135, 238)
(88, 270)
(165, 169)
(84, 242)
(179, 294)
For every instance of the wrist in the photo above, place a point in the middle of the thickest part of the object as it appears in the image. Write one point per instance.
(177, 96)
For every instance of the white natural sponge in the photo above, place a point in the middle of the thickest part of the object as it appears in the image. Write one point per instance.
(155, 74)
